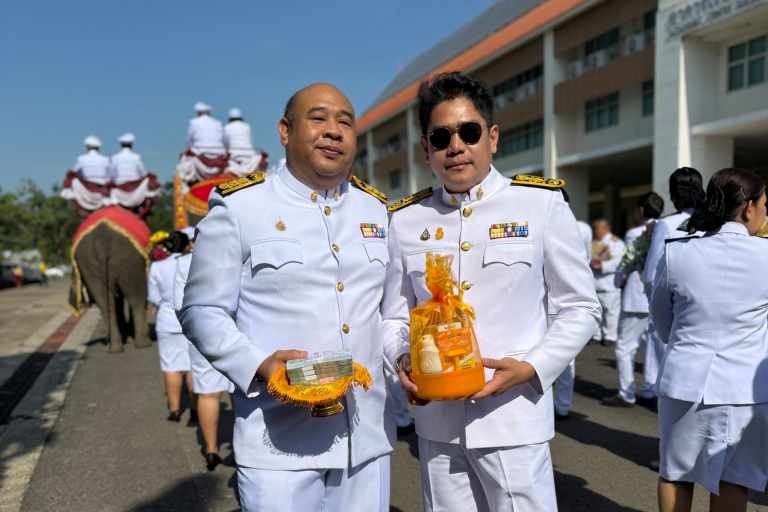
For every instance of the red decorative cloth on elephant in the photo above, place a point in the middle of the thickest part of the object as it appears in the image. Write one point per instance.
(132, 194)
(119, 220)
(196, 200)
(194, 168)
(89, 196)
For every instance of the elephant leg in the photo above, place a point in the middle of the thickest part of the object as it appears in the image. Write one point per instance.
(113, 329)
(138, 305)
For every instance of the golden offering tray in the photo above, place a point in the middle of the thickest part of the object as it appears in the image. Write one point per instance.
(324, 398)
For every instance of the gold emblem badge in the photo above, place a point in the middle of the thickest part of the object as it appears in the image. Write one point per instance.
(336, 194)
(480, 192)
(313, 195)
(280, 225)
(425, 235)
(454, 202)
(439, 234)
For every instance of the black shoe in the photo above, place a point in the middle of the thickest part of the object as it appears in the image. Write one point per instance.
(655, 465)
(593, 342)
(616, 401)
(212, 460)
(193, 415)
(406, 431)
(562, 417)
(650, 403)
(175, 416)
(608, 343)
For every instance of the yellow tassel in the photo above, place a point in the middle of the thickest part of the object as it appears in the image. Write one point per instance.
(308, 396)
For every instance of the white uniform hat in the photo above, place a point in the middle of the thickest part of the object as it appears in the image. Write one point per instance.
(202, 107)
(189, 231)
(92, 142)
(126, 138)
(235, 113)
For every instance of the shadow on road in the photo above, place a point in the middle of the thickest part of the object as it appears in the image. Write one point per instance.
(181, 498)
(636, 448)
(573, 496)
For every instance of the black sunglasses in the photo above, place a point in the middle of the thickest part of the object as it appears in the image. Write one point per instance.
(470, 132)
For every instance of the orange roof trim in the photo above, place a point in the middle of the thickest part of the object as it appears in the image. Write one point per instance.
(529, 22)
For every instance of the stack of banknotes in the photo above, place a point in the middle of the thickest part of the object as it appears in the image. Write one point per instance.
(322, 368)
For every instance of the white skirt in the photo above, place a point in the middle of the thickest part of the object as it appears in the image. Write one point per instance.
(707, 443)
(174, 351)
(205, 378)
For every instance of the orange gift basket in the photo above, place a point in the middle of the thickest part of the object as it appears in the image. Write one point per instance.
(445, 358)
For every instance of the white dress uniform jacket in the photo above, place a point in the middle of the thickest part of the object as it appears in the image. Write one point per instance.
(160, 293)
(604, 279)
(711, 308)
(205, 136)
(93, 166)
(633, 297)
(126, 166)
(665, 228)
(509, 280)
(274, 269)
(238, 139)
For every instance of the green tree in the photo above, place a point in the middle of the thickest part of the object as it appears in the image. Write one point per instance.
(162, 211)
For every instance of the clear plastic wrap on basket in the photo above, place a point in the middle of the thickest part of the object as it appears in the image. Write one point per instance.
(445, 358)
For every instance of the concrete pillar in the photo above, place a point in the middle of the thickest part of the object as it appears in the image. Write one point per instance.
(371, 149)
(711, 153)
(577, 187)
(413, 135)
(612, 206)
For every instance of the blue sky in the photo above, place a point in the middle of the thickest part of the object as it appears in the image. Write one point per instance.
(77, 68)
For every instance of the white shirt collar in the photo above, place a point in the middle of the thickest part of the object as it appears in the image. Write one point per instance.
(482, 190)
(306, 191)
(734, 227)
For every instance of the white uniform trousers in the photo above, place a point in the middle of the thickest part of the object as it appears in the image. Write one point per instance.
(609, 324)
(205, 378)
(402, 414)
(653, 352)
(632, 335)
(564, 389)
(364, 488)
(510, 479)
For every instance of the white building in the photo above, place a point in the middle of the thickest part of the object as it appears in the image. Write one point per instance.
(610, 95)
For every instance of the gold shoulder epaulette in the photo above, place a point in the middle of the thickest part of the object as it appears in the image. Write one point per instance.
(537, 181)
(418, 196)
(241, 183)
(369, 189)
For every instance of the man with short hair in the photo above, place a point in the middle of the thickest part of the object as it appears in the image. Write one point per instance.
(126, 165)
(633, 320)
(605, 260)
(284, 265)
(489, 452)
(205, 135)
(92, 166)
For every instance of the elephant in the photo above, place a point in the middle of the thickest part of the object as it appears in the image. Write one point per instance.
(114, 272)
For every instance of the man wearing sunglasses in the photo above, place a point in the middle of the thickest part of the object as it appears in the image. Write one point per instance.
(490, 452)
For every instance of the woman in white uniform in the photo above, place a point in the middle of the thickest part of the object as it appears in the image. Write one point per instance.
(171, 343)
(710, 305)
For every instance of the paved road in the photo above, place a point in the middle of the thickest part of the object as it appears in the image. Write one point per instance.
(112, 449)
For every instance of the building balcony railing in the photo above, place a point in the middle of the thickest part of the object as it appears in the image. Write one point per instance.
(627, 46)
(520, 93)
(391, 148)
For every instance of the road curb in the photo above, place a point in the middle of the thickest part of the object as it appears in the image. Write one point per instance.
(22, 440)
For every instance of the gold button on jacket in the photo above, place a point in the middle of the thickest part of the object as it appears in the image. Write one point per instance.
(467, 211)
(340, 287)
(335, 247)
(465, 246)
(466, 285)
(345, 328)
(327, 210)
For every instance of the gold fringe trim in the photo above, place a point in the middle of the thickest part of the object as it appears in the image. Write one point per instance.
(308, 396)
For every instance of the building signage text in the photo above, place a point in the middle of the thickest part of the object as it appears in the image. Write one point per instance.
(700, 13)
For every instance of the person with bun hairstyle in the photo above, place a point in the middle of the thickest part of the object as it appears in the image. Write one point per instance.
(711, 310)
(171, 342)
(686, 188)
